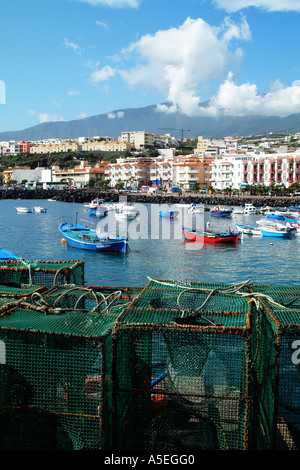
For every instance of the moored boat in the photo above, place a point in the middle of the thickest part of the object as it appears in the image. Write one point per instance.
(40, 209)
(98, 211)
(169, 214)
(196, 209)
(24, 210)
(219, 211)
(249, 209)
(85, 238)
(249, 229)
(210, 236)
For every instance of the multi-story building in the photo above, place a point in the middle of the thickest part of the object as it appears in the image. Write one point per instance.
(78, 177)
(237, 171)
(105, 146)
(132, 171)
(62, 146)
(191, 170)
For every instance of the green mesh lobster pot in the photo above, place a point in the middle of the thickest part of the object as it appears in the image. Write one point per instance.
(46, 273)
(193, 369)
(55, 375)
(282, 305)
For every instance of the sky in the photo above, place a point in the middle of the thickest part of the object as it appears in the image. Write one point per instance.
(62, 60)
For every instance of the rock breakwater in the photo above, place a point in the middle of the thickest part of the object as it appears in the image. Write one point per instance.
(84, 196)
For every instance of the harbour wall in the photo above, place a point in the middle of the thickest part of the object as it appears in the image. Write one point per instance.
(84, 196)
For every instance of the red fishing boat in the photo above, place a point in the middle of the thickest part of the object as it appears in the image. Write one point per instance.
(210, 236)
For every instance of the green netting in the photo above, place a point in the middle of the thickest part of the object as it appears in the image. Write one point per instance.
(46, 273)
(286, 323)
(53, 379)
(191, 371)
(23, 290)
(174, 365)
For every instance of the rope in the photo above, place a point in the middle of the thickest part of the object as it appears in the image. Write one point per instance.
(233, 289)
(28, 265)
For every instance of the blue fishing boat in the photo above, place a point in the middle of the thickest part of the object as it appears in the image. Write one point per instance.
(85, 238)
(168, 214)
(219, 211)
(6, 255)
(98, 211)
(279, 233)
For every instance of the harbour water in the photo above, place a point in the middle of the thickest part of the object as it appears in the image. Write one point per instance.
(35, 236)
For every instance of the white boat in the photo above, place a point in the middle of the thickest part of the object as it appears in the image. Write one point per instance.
(249, 209)
(128, 212)
(40, 209)
(249, 229)
(23, 210)
(238, 210)
(269, 228)
(94, 203)
(196, 209)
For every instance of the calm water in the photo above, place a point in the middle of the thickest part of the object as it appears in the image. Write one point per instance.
(35, 236)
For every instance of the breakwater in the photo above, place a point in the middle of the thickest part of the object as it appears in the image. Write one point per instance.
(82, 196)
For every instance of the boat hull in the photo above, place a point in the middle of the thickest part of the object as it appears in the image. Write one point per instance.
(221, 213)
(105, 244)
(168, 214)
(274, 233)
(210, 236)
(249, 229)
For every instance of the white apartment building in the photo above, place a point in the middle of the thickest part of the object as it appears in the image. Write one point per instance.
(144, 140)
(236, 171)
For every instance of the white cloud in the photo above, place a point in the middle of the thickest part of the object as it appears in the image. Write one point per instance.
(268, 5)
(81, 116)
(44, 117)
(244, 100)
(102, 75)
(73, 92)
(117, 115)
(178, 61)
(72, 45)
(114, 3)
(102, 24)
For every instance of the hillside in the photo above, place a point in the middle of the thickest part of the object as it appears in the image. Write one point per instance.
(151, 120)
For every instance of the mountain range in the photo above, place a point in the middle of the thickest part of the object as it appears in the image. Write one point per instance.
(151, 120)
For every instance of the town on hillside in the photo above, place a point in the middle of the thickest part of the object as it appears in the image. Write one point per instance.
(142, 161)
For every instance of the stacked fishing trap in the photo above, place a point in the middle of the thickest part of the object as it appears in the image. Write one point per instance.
(179, 366)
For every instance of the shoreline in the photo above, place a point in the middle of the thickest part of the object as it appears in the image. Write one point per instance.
(85, 196)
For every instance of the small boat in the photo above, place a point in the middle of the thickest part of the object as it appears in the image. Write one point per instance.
(249, 229)
(281, 233)
(98, 211)
(126, 212)
(275, 229)
(23, 210)
(79, 236)
(6, 255)
(238, 210)
(219, 211)
(196, 209)
(249, 209)
(210, 236)
(274, 215)
(169, 214)
(40, 209)
(94, 203)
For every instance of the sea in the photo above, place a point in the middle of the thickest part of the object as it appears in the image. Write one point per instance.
(153, 254)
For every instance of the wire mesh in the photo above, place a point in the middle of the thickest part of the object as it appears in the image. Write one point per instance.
(46, 273)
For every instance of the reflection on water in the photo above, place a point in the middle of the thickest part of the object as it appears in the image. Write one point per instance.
(35, 236)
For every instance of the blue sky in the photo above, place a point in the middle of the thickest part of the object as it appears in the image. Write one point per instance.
(71, 59)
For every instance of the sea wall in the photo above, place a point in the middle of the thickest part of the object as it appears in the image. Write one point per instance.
(83, 196)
